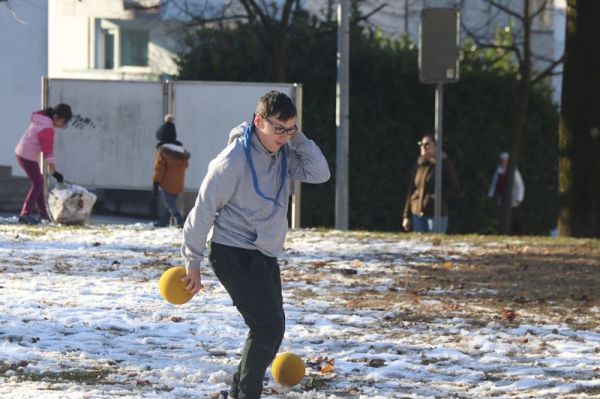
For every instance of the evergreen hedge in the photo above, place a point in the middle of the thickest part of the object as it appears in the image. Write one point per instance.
(389, 111)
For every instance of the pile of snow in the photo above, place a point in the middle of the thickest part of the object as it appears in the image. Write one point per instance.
(71, 204)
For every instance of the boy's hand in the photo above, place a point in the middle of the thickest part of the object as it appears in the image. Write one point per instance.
(192, 281)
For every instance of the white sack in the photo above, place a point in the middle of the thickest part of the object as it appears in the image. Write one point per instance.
(71, 204)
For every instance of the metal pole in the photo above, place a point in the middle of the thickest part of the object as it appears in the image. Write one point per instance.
(439, 110)
(341, 116)
(43, 166)
(296, 186)
(168, 97)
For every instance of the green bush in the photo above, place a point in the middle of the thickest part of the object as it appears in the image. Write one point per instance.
(389, 111)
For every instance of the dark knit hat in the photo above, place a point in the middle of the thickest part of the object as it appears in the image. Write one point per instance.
(166, 133)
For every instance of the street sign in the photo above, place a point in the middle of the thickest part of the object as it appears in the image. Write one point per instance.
(439, 45)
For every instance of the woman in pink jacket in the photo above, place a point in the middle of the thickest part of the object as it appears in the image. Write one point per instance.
(39, 139)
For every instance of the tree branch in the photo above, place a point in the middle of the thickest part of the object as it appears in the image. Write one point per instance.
(539, 10)
(285, 14)
(506, 9)
(506, 49)
(548, 71)
(368, 15)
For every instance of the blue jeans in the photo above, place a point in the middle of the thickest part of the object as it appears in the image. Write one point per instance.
(168, 208)
(424, 224)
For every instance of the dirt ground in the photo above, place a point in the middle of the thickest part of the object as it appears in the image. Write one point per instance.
(506, 279)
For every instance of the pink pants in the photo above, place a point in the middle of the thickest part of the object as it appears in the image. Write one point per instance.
(35, 196)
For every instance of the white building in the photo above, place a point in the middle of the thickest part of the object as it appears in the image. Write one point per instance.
(87, 39)
(111, 39)
(23, 61)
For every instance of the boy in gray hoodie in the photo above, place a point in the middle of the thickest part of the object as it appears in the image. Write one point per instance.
(244, 199)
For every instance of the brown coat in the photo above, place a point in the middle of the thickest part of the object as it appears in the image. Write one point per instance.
(169, 167)
(421, 187)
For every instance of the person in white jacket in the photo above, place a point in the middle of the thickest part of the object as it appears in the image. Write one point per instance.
(499, 183)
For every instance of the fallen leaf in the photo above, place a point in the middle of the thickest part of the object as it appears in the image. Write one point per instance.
(319, 264)
(509, 314)
(328, 368)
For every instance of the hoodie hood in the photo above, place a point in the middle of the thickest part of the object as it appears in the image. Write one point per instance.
(42, 120)
(175, 151)
(237, 132)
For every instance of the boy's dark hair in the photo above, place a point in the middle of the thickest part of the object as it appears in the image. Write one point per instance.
(61, 111)
(276, 104)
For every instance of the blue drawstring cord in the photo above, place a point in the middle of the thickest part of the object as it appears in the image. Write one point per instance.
(247, 150)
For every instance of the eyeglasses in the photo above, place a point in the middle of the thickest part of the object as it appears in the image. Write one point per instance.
(279, 130)
(425, 144)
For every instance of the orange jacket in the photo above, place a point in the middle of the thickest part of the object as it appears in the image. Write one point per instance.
(169, 167)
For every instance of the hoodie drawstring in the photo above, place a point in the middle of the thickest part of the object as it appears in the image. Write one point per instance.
(247, 150)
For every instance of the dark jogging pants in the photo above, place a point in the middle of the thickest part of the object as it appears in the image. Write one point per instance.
(253, 282)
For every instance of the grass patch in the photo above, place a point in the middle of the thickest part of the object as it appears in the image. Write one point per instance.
(78, 376)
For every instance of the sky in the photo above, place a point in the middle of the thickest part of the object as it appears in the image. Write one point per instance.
(81, 317)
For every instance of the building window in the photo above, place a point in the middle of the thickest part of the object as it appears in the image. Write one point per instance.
(118, 45)
(107, 49)
(134, 48)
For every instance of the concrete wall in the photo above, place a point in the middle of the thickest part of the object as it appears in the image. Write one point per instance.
(23, 61)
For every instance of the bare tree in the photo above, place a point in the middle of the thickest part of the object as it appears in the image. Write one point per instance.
(579, 131)
(8, 5)
(271, 22)
(520, 50)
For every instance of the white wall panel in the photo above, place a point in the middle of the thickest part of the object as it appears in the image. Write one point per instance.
(205, 113)
(110, 143)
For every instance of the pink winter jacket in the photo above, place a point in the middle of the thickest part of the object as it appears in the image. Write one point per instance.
(38, 138)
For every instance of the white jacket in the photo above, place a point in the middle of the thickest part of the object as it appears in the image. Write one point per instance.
(518, 193)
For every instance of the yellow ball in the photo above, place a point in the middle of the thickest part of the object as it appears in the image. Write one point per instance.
(287, 369)
(171, 289)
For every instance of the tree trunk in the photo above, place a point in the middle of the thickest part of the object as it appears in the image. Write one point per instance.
(279, 59)
(517, 130)
(579, 130)
(515, 148)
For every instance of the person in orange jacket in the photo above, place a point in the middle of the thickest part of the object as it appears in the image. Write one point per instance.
(169, 172)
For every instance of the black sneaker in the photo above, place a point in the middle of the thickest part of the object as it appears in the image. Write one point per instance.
(28, 219)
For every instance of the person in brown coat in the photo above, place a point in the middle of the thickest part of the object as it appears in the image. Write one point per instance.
(169, 172)
(418, 212)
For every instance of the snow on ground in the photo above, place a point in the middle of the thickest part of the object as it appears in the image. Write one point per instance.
(81, 317)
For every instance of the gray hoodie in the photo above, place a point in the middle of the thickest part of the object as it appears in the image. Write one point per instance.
(228, 202)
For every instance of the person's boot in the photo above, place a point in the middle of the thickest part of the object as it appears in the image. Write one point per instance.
(180, 220)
